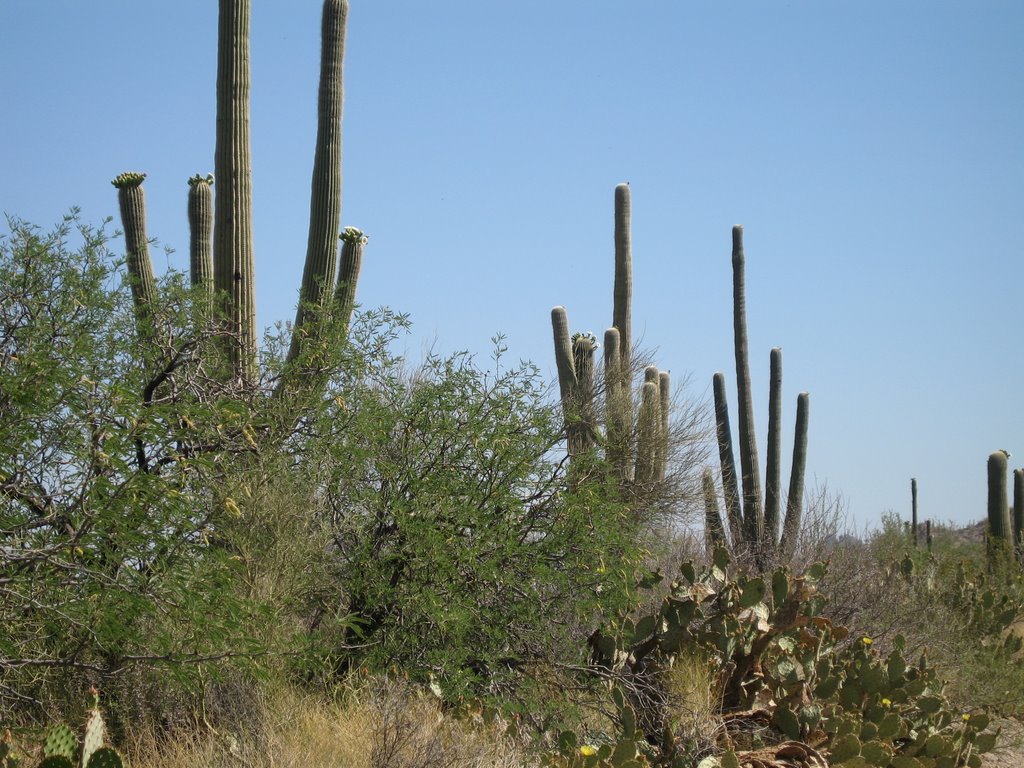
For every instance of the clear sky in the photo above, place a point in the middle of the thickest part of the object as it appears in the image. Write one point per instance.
(873, 150)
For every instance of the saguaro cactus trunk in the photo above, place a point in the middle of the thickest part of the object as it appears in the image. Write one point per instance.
(753, 513)
(773, 465)
(318, 274)
(999, 528)
(234, 268)
(913, 509)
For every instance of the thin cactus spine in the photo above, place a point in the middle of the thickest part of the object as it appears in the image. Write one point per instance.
(320, 269)
(234, 269)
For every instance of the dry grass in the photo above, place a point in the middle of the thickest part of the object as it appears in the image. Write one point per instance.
(380, 724)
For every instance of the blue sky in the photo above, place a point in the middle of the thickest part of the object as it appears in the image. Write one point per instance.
(872, 150)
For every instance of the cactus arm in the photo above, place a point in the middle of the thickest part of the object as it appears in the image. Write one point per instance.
(616, 423)
(714, 533)
(200, 223)
(665, 394)
(319, 270)
(650, 421)
(730, 486)
(773, 471)
(232, 232)
(353, 243)
(753, 514)
(132, 202)
(623, 289)
(795, 497)
(585, 428)
(563, 356)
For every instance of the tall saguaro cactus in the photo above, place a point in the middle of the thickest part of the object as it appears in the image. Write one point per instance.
(230, 271)
(754, 528)
(318, 274)
(913, 509)
(233, 259)
(753, 512)
(639, 462)
(1000, 529)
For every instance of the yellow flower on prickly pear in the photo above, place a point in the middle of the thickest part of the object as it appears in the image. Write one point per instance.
(866, 640)
(886, 703)
(965, 717)
(588, 750)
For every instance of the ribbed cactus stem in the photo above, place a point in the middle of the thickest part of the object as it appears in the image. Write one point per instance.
(730, 482)
(132, 202)
(714, 533)
(563, 356)
(999, 527)
(583, 429)
(773, 466)
(320, 268)
(353, 242)
(665, 396)
(913, 509)
(650, 421)
(234, 272)
(795, 497)
(753, 514)
(622, 310)
(616, 426)
(200, 223)
(1018, 513)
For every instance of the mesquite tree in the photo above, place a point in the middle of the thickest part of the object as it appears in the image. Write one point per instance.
(229, 271)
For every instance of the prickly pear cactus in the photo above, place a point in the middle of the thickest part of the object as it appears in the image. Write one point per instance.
(56, 761)
(783, 662)
(104, 758)
(61, 741)
(92, 740)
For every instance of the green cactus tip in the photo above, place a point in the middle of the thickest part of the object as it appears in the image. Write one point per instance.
(200, 179)
(353, 235)
(128, 179)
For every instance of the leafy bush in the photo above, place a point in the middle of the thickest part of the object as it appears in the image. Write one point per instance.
(462, 553)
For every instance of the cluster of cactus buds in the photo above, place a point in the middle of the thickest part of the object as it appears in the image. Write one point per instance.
(128, 179)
